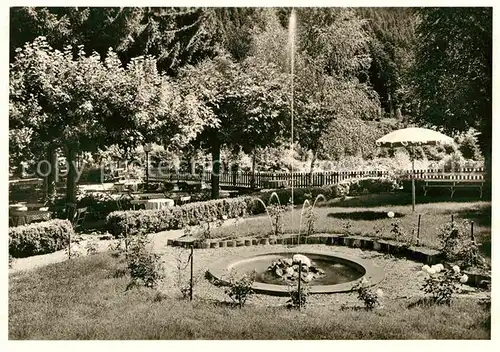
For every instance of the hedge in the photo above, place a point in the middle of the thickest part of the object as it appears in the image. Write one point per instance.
(152, 221)
(370, 185)
(39, 238)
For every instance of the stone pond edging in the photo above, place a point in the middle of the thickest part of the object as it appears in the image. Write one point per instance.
(424, 255)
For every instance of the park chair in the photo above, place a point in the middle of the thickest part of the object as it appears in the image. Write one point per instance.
(184, 200)
(70, 210)
(79, 217)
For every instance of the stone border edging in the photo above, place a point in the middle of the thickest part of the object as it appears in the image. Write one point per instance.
(373, 274)
(424, 255)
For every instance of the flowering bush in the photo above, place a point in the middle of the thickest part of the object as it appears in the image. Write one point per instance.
(442, 284)
(310, 217)
(347, 225)
(298, 298)
(372, 185)
(91, 246)
(276, 212)
(145, 268)
(240, 289)
(457, 244)
(399, 233)
(367, 295)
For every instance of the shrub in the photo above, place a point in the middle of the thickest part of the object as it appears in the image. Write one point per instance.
(457, 244)
(145, 267)
(276, 212)
(442, 286)
(91, 246)
(240, 290)
(39, 238)
(298, 300)
(341, 189)
(310, 218)
(400, 234)
(152, 221)
(367, 295)
(452, 162)
(347, 225)
(371, 185)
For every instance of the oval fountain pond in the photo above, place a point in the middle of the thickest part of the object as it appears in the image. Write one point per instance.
(341, 272)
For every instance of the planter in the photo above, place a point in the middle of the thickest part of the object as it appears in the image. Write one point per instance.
(230, 243)
(348, 241)
(322, 239)
(356, 243)
(240, 243)
(376, 246)
(367, 243)
(384, 246)
(332, 240)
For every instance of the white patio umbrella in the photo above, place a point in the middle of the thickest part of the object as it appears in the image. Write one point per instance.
(413, 137)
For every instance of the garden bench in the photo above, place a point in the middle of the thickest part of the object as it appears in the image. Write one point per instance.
(453, 185)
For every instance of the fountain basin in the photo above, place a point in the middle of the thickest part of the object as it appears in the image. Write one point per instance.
(342, 272)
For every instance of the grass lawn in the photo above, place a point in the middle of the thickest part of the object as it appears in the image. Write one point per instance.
(367, 213)
(85, 299)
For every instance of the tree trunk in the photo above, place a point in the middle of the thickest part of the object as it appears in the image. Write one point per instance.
(313, 160)
(235, 173)
(389, 101)
(215, 168)
(71, 180)
(252, 181)
(51, 190)
(193, 165)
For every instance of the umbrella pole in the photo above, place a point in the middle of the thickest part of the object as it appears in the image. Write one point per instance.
(413, 180)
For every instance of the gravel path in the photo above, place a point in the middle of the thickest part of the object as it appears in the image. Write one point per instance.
(158, 242)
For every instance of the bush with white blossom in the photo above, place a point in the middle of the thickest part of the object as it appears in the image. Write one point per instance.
(370, 298)
(442, 283)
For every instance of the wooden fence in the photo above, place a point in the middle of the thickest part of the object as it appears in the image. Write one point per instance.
(305, 179)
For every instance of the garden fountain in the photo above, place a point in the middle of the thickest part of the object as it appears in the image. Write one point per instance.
(324, 272)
